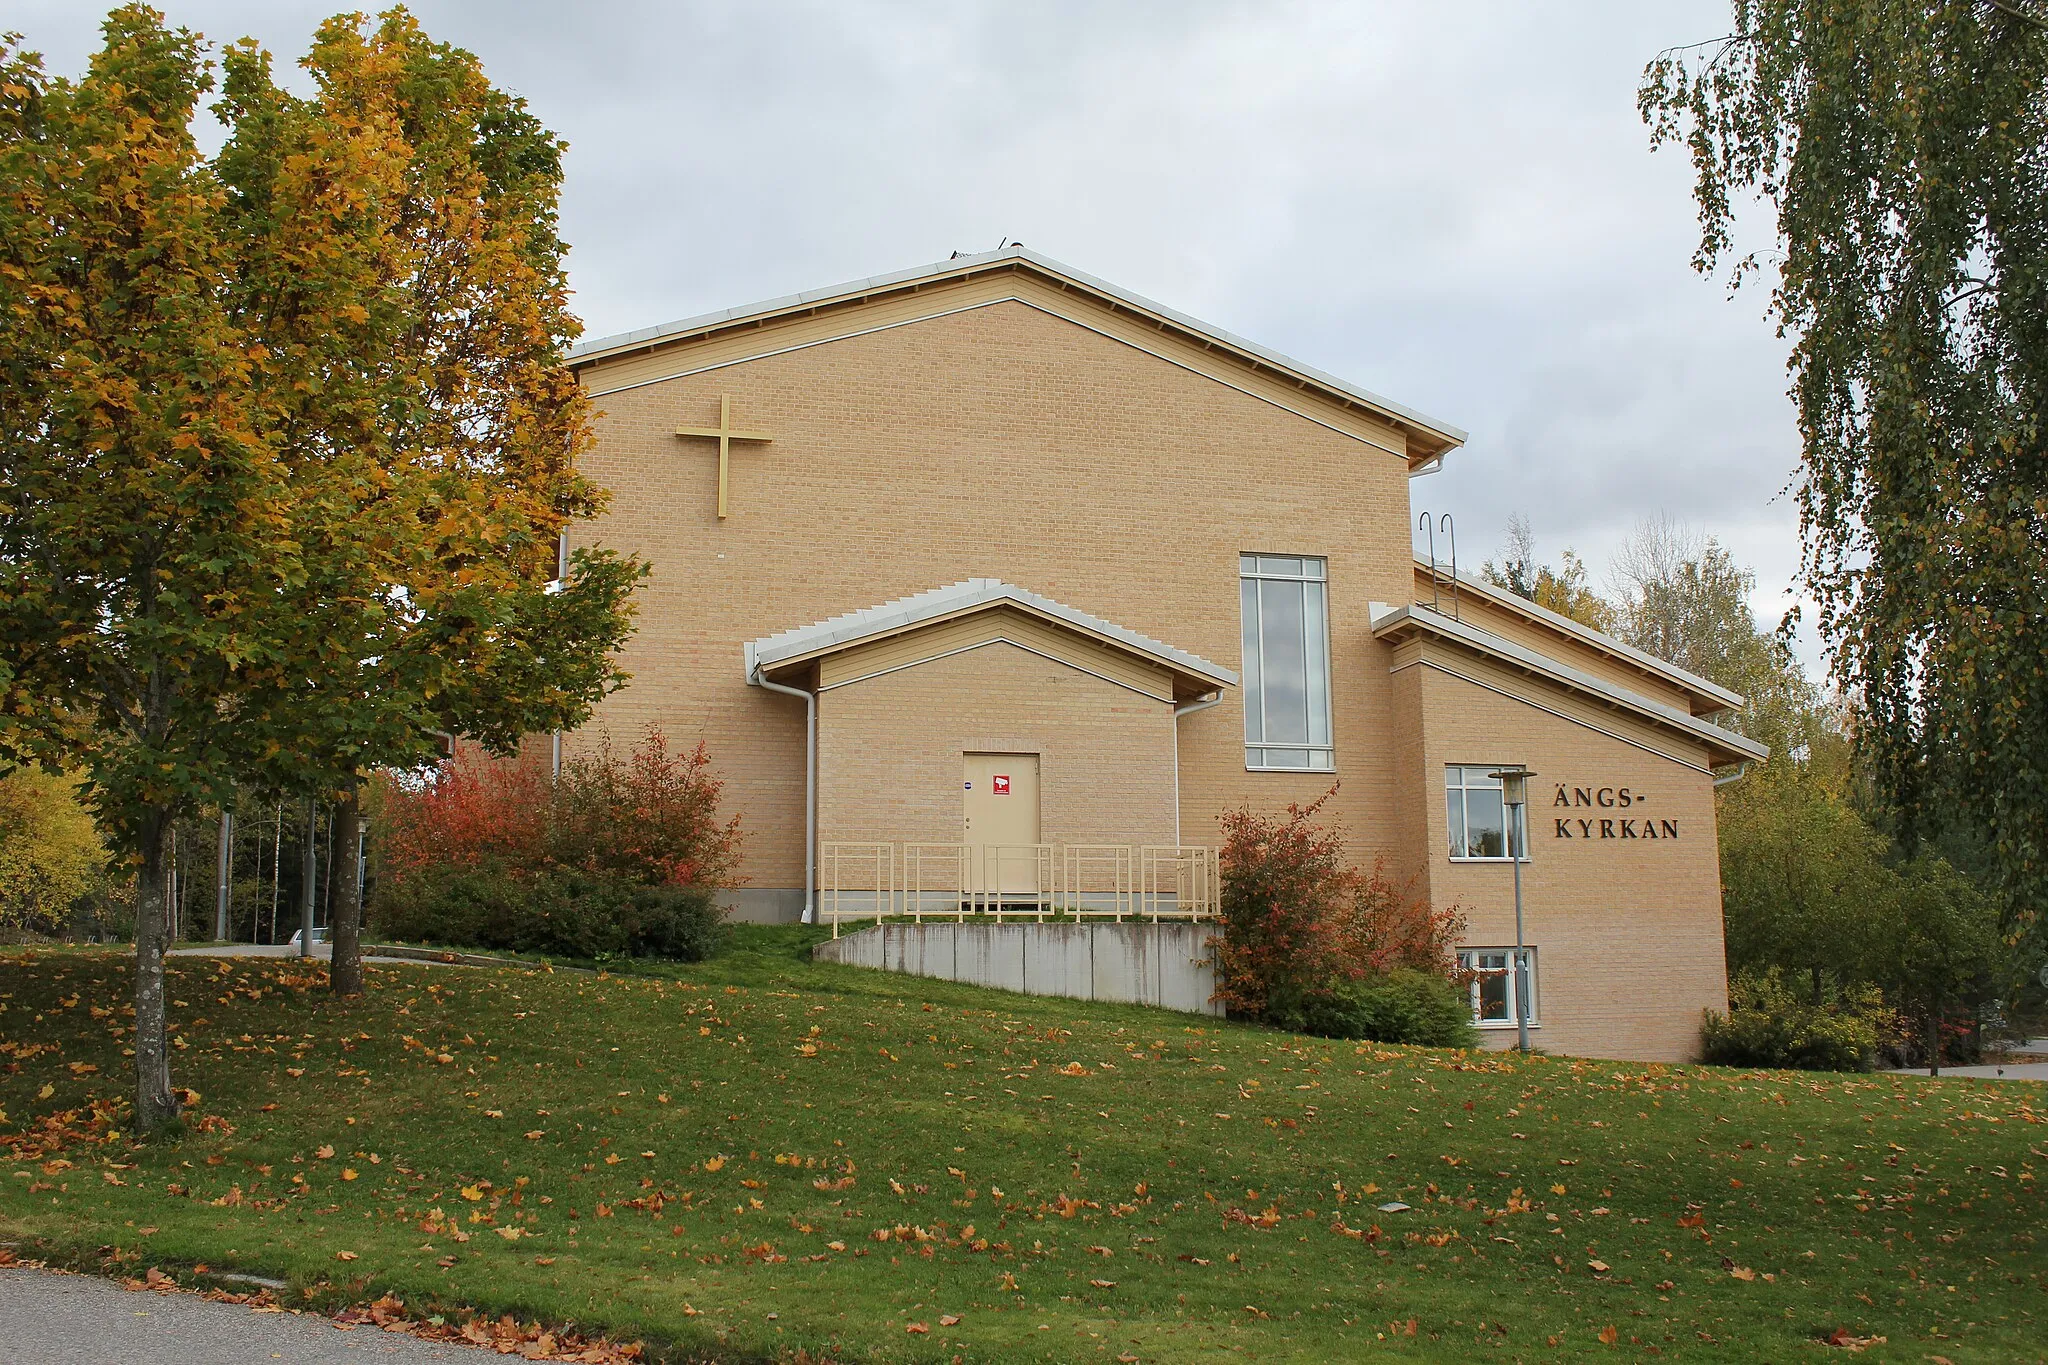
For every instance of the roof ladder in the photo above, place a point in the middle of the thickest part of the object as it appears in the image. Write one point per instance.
(1442, 584)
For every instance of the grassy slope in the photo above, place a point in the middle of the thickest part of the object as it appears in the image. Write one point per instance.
(1216, 1169)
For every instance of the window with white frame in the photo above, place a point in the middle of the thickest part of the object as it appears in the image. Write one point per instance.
(1286, 662)
(1495, 985)
(1478, 817)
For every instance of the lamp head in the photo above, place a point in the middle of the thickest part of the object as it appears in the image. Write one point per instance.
(1514, 785)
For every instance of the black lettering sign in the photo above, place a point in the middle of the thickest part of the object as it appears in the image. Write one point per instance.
(1613, 798)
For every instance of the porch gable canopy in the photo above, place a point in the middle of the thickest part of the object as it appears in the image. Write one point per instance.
(790, 655)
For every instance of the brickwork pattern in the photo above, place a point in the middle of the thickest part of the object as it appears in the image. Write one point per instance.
(1628, 930)
(1006, 442)
(890, 747)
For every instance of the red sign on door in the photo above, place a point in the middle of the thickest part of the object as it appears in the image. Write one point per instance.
(1001, 784)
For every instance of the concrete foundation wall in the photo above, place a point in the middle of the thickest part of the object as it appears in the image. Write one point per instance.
(763, 904)
(1141, 964)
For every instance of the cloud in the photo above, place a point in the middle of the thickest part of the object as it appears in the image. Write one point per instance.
(1452, 205)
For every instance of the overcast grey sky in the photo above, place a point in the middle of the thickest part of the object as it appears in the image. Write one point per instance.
(1453, 204)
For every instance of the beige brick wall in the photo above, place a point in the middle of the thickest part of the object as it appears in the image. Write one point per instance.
(1004, 441)
(1000, 442)
(1627, 931)
(890, 747)
(1476, 611)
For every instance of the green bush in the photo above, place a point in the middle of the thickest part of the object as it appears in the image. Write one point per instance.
(1767, 1024)
(450, 906)
(682, 923)
(1402, 1006)
(564, 914)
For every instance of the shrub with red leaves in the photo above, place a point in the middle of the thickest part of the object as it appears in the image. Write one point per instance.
(648, 818)
(651, 818)
(1300, 923)
(472, 811)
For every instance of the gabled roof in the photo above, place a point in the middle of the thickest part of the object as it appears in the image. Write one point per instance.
(961, 599)
(1716, 697)
(1724, 746)
(1429, 437)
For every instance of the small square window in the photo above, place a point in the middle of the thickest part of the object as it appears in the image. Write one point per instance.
(1496, 987)
(1476, 817)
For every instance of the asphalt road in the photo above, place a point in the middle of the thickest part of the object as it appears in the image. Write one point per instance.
(47, 1318)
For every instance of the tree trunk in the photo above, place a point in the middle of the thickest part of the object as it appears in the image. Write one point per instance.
(345, 905)
(155, 1105)
(1934, 1036)
(224, 872)
(309, 877)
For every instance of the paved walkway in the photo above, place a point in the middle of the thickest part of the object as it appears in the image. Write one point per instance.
(321, 952)
(50, 1318)
(2027, 1070)
(2010, 1071)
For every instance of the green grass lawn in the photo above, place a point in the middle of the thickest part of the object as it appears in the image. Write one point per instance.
(761, 1154)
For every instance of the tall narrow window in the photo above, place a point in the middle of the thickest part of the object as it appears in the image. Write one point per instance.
(1478, 819)
(1286, 662)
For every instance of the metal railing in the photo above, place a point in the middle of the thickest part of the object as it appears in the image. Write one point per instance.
(1010, 882)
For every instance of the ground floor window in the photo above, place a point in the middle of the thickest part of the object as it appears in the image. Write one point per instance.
(1494, 985)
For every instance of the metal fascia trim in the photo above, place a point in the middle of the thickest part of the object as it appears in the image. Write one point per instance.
(983, 644)
(1514, 602)
(1550, 711)
(990, 303)
(1563, 673)
(587, 352)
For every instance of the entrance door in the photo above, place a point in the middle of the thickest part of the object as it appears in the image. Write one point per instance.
(1000, 820)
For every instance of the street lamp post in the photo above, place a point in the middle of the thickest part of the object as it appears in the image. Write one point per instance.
(1514, 795)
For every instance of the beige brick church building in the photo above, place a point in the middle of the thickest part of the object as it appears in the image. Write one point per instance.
(991, 582)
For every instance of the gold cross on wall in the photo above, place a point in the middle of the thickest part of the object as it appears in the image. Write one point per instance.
(725, 435)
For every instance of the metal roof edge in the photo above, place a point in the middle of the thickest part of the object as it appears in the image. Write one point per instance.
(967, 595)
(1488, 643)
(1516, 602)
(588, 352)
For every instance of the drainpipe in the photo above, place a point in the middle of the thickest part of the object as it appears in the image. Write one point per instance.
(1740, 772)
(1185, 709)
(755, 679)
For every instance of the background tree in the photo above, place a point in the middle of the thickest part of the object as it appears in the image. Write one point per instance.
(1566, 590)
(1680, 596)
(1803, 879)
(51, 857)
(1939, 948)
(1904, 148)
